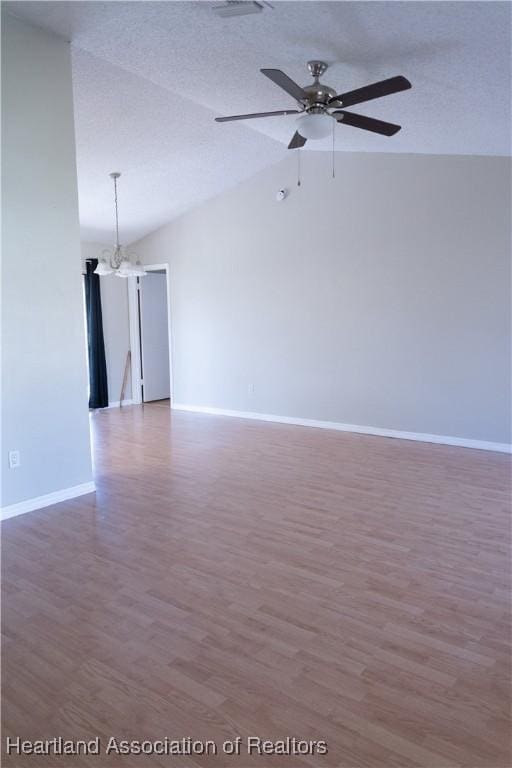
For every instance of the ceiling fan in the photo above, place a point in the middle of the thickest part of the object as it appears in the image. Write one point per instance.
(319, 104)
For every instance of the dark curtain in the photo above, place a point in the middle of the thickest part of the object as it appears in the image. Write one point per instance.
(98, 387)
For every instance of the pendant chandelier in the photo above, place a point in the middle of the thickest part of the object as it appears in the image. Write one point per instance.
(118, 260)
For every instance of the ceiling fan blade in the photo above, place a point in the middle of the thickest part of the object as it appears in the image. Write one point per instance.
(286, 83)
(367, 123)
(297, 141)
(373, 91)
(257, 114)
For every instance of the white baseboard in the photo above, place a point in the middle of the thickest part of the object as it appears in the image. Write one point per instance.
(117, 403)
(462, 442)
(38, 502)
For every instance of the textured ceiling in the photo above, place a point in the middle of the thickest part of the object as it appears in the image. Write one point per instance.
(149, 77)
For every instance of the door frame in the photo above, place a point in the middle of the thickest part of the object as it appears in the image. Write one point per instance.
(134, 319)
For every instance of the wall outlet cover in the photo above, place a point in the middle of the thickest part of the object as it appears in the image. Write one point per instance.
(14, 459)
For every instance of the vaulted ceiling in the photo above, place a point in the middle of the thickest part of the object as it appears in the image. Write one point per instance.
(149, 77)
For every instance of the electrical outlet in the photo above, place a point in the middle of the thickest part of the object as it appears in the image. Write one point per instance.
(14, 459)
(250, 389)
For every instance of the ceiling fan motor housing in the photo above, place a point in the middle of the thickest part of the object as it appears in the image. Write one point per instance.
(317, 93)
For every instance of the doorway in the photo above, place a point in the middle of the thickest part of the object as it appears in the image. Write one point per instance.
(149, 307)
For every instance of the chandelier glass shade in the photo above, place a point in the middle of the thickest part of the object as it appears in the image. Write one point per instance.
(118, 260)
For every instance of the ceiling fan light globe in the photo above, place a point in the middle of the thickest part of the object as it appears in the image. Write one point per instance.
(314, 126)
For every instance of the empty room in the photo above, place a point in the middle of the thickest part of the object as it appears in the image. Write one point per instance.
(256, 384)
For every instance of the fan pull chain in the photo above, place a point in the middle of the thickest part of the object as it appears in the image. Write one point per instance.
(298, 167)
(333, 167)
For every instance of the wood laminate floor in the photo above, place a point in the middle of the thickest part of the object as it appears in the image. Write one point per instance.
(234, 578)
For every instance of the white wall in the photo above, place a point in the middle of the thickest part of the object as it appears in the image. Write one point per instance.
(44, 396)
(380, 298)
(116, 331)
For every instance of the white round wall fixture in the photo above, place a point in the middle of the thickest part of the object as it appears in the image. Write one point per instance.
(281, 195)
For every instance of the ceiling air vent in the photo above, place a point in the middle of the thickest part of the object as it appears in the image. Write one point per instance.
(239, 8)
